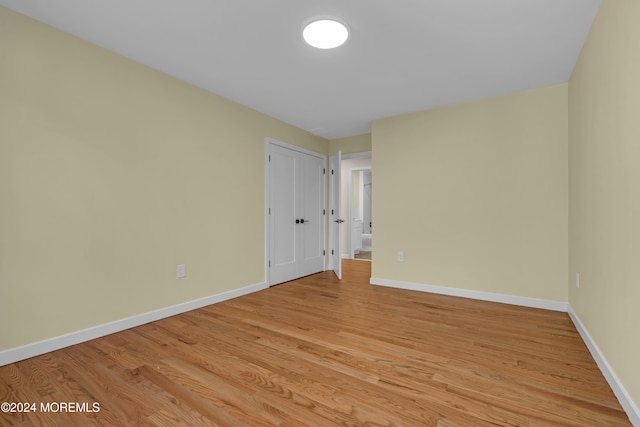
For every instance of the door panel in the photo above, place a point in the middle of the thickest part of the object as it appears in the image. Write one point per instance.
(334, 210)
(312, 201)
(283, 256)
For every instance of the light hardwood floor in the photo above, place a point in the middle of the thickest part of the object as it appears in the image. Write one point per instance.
(318, 352)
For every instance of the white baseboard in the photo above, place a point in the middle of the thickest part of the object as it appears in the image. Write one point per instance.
(625, 400)
(464, 293)
(51, 344)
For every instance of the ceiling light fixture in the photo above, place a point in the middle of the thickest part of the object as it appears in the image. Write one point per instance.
(325, 33)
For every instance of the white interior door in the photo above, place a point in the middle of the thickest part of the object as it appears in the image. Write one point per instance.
(296, 214)
(283, 256)
(335, 163)
(310, 212)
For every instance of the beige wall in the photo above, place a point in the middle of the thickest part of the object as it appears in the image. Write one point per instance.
(475, 195)
(350, 145)
(111, 174)
(604, 183)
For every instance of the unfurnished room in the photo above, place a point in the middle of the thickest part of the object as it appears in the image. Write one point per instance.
(320, 213)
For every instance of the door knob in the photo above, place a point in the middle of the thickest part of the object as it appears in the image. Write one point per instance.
(297, 221)
(302, 221)
(339, 221)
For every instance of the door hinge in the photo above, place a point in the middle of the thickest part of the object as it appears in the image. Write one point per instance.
(331, 211)
(323, 253)
(324, 212)
(324, 171)
(331, 251)
(269, 157)
(269, 263)
(331, 171)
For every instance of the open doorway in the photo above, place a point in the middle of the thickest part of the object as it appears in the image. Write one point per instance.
(360, 213)
(356, 232)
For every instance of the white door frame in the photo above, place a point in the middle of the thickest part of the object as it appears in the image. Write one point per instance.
(268, 143)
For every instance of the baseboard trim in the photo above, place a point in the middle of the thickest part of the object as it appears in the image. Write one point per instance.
(465, 293)
(629, 406)
(56, 343)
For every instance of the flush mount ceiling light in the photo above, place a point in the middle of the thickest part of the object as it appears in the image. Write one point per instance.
(325, 33)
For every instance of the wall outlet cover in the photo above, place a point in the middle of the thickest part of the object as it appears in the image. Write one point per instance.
(181, 271)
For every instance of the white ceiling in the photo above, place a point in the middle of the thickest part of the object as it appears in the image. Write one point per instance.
(402, 55)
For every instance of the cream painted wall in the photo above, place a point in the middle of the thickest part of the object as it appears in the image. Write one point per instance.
(111, 174)
(604, 188)
(475, 195)
(350, 145)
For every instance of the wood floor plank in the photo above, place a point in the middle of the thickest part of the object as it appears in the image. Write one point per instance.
(43, 376)
(13, 388)
(320, 352)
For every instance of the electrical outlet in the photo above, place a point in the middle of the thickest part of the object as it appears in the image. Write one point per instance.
(181, 271)
(400, 256)
(577, 280)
